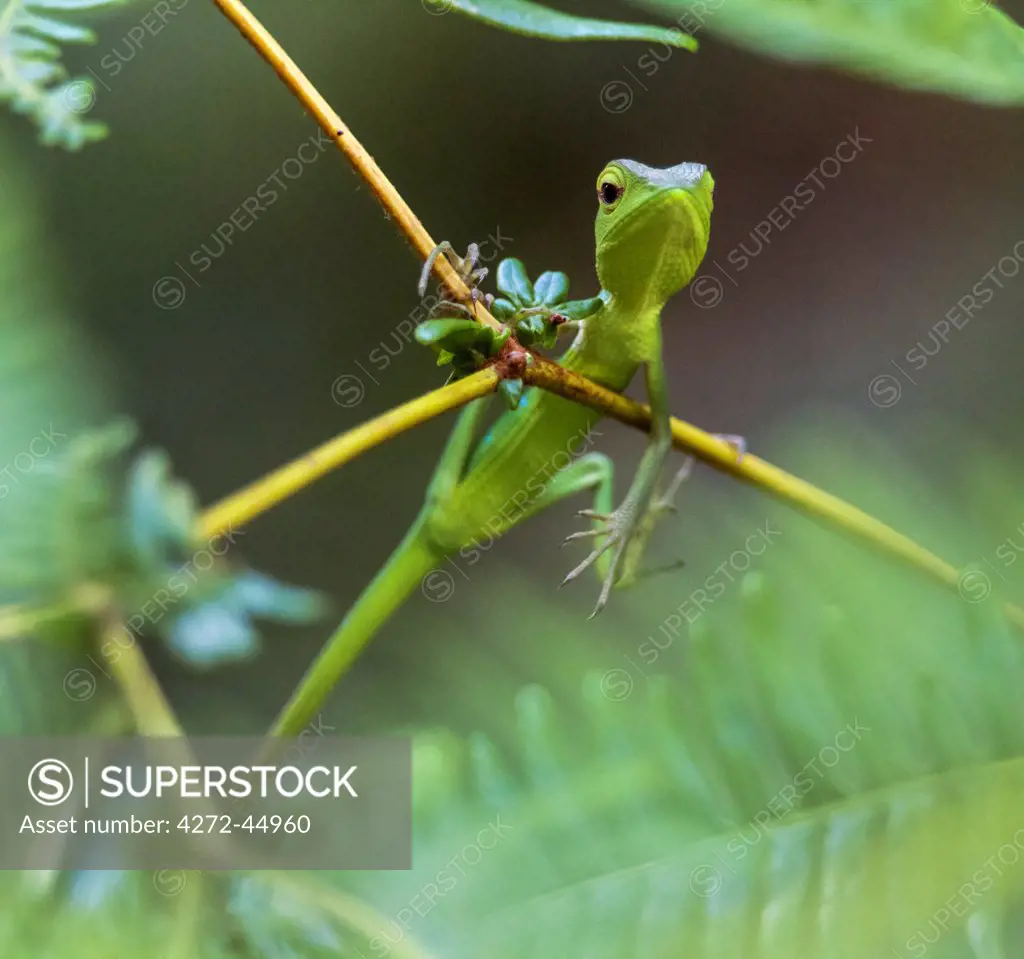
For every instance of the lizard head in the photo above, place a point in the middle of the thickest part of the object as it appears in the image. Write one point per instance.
(652, 227)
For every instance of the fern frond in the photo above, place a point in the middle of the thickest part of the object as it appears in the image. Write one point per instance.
(32, 78)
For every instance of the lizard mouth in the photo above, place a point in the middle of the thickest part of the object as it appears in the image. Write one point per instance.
(668, 206)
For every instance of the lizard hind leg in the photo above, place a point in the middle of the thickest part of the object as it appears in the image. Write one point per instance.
(630, 568)
(661, 505)
(592, 471)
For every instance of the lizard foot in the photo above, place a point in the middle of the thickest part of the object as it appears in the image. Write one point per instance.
(626, 532)
(467, 268)
(617, 529)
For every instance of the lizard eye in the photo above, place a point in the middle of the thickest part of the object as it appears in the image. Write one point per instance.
(611, 185)
(610, 193)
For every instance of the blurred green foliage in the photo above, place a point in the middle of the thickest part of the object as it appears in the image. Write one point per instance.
(82, 528)
(821, 739)
(32, 77)
(967, 48)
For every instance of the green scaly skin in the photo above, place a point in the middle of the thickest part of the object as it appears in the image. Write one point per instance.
(651, 231)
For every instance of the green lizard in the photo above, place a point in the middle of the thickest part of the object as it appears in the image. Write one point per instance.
(652, 231)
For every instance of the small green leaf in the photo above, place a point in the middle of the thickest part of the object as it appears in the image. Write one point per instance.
(580, 309)
(444, 357)
(531, 329)
(429, 332)
(514, 283)
(454, 335)
(211, 635)
(536, 20)
(160, 510)
(511, 391)
(551, 288)
(498, 341)
(550, 337)
(255, 594)
(503, 309)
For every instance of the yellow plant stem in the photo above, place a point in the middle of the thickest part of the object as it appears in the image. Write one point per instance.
(364, 164)
(149, 707)
(260, 496)
(17, 622)
(545, 374)
(750, 469)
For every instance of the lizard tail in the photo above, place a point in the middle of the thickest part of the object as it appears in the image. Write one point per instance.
(406, 568)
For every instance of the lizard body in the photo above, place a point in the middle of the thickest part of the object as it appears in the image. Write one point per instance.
(652, 231)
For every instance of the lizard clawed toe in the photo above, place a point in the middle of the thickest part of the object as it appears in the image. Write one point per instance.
(606, 589)
(589, 561)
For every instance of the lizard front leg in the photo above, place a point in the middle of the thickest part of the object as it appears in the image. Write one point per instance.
(625, 524)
